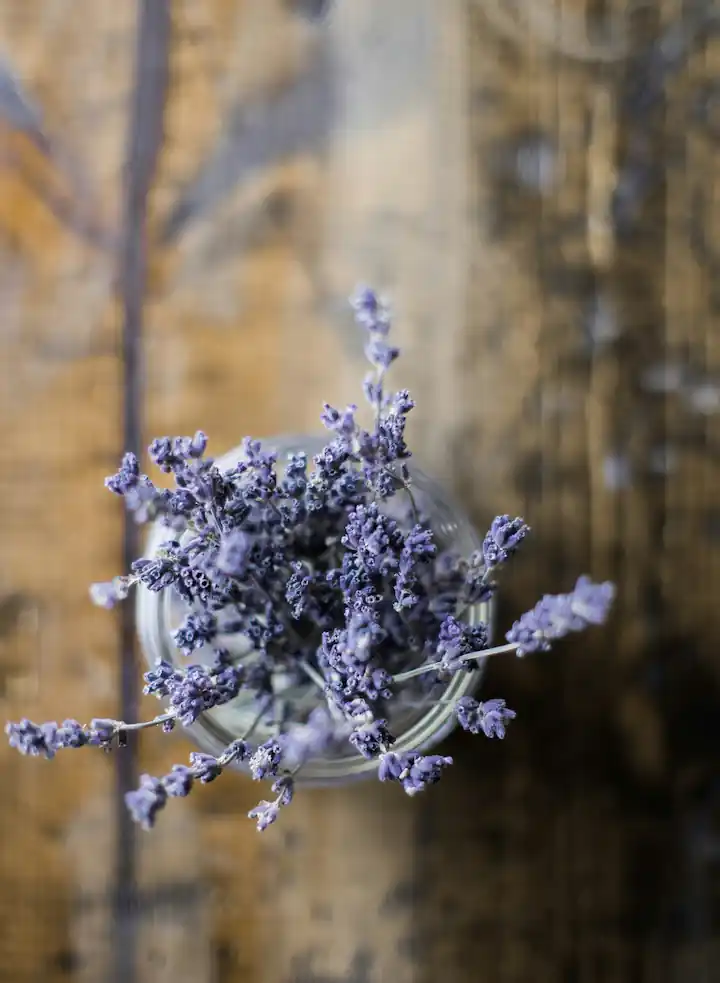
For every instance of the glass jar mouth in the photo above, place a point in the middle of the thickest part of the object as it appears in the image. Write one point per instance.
(415, 728)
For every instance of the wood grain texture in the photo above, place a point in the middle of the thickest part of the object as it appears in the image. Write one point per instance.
(535, 187)
(60, 402)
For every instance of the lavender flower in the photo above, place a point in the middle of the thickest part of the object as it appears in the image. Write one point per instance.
(179, 782)
(380, 354)
(372, 738)
(146, 801)
(266, 759)
(238, 750)
(556, 615)
(418, 549)
(265, 813)
(489, 717)
(590, 602)
(423, 770)
(332, 576)
(71, 735)
(33, 739)
(158, 680)
(456, 641)
(370, 312)
(373, 542)
(414, 771)
(342, 423)
(139, 492)
(205, 767)
(101, 731)
(197, 630)
(192, 693)
(127, 476)
(173, 453)
(227, 683)
(298, 590)
(502, 540)
(284, 788)
(391, 766)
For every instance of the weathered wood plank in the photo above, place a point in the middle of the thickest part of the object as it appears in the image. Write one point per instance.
(60, 529)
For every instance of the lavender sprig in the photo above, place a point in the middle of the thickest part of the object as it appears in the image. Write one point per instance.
(328, 587)
(152, 795)
(553, 617)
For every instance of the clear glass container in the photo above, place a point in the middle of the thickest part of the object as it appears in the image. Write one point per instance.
(418, 717)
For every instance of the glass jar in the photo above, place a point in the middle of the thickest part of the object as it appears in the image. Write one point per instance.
(418, 717)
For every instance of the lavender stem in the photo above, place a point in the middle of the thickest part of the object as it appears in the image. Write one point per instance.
(411, 673)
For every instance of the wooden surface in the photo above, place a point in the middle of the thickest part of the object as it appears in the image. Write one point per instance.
(535, 186)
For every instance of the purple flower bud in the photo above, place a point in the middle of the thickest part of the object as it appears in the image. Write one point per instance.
(197, 690)
(489, 717)
(419, 543)
(284, 788)
(142, 499)
(198, 444)
(502, 540)
(590, 602)
(126, 477)
(146, 801)
(372, 390)
(356, 707)
(266, 759)
(239, 750)
(102, 730)
(456, 640)
(160, 451)
(414, 771)
(173, 453)
(71, 735)
(381, 354)
(343, 423)
(376, 685)
(32, 739)
(423, 770)
(205, 767)
(227, 684)
(179, 782)
(158, 680)
(370, 312)
(265, 813)
(391, 766)
(197, 630)
(372, 738)
(556, 615)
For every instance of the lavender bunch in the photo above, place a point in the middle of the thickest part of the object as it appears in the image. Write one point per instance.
(329, 587)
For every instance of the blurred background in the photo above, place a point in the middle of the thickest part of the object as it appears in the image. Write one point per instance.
(189, 190)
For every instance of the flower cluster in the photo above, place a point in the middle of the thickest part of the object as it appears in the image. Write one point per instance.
(331, 572)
